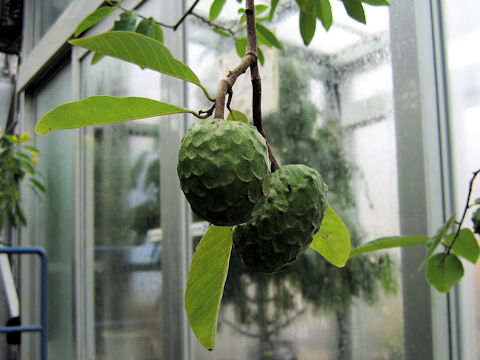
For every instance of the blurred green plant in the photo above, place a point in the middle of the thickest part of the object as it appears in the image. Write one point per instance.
(17, 164)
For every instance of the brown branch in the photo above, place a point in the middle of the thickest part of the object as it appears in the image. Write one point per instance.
(216, 26)
(467, 205)
(189, 11)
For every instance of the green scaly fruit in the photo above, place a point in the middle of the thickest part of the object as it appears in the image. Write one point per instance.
(222, 166)
(283, 227)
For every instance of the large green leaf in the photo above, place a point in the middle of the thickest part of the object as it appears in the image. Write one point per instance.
(141, 50)
(443, 272)
(466, 245)
(332, 241)
(216, 8)
(205, 283)
(436, 239)
(94, 18)
(308, 23)
(97, 110)
(377, 2)
(388, 242)
(237, 116)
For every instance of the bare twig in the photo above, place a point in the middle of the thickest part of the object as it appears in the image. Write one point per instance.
(214, 25)
(189, 11)
(457, 233)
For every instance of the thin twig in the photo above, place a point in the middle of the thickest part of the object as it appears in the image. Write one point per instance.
(216, 26)
(189, 11)
(457, 233)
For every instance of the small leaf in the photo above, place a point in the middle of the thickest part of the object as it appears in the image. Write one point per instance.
(260, 8)
(221, 32)
(205, 283)
(216, 8)
(436, 239)
(388, 242)
(238, 115)
(140, 50)
(273, 7)
(101, 109)
(94, 18)
(443, 272)
(267, 34)
(261, 57)
(146, 27)
(477, 201)
(126, 22)
(355, 10)
(241, 46)
(38, 185)
(323, 11)
(332, 241)
(308, 23)
(376, 2)
(158, 33)
(466, 245)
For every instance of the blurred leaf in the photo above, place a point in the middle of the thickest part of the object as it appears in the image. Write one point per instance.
(38, 185)
(140, 50)
(376, 2)
(241, 46)
(96, 58)
(31, 148)
(94, 18)
(126, 22)
(158, 33)
(267, 34)
(260, 8)
(216, 8)
(477, 201)
(466, 245)
(273, 7)
(355, 10)
(261, 57)
(388, 242)
(96, 110)
(442, 272)
(205, 283)
(332, 241)
(239, 116)
(221, 32)
(146, 27)
(323, 11)
(308, 22)
(436, 239)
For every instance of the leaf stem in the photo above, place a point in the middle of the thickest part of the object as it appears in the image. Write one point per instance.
(216, 26)
(470, 189)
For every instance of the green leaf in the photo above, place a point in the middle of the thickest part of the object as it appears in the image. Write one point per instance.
(140, 50)
(216, 8)
(466, 245)
(38, 185)
(260, 8)
(94, 18)
(238, 116)
(261, 57)
(436, 239)
(376, 2)
(332, 241)
(158, 33)
(388, 242)
(221, 32)
(20, 216)
(205, 283)
(477, 201)
(273, 7)
(241, 46)
(126, 22)
(323, 11)
(443, 272)
(31, 148)
(146, 27)
(1, 224)
(96, 58)
(355, 10)
(96, 110)
(269, 36)
(308, 22)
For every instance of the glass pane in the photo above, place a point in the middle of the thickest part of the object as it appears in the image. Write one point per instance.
(462, 31)
(54, 216)
(330, 107)
(46, 13)
(123, 178)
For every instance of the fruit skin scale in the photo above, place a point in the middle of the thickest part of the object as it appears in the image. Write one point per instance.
(221, 167)
(283, 227)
